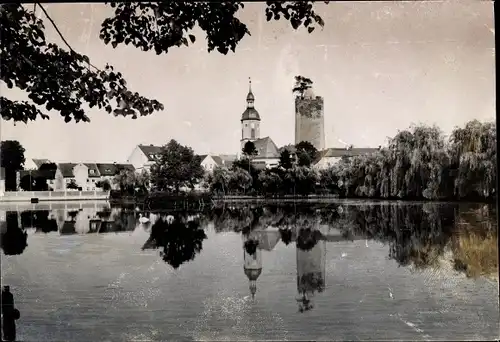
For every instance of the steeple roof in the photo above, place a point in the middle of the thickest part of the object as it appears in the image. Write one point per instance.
(250, 113)
(253, 274)
(250, 96)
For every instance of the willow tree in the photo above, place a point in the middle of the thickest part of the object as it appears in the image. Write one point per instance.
(473, 153)
(418, 157)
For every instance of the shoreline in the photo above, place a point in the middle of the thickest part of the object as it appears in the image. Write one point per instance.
(205, 199)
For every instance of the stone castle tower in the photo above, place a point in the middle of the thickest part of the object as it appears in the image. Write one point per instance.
(250, 120)
(309, 119)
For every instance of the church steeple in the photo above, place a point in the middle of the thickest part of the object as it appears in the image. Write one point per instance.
(250, 97)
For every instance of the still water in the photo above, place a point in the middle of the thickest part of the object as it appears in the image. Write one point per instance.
(343, 271)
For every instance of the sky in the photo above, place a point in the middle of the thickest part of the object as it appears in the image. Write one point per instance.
(380, 67)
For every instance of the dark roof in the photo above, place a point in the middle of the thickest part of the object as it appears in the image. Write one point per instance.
(48, 174)
(218, 160)
(150, 150)
(250, 96)
(40, 162)
(2, 173)
(250, 114)
(113, 169)
(343, 152)
(266, 148)
(93, 167)
(66, 169)
(202, 157)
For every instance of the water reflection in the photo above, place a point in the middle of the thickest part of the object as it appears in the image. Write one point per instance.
(180, 236)
(14, 238)
(417, 235)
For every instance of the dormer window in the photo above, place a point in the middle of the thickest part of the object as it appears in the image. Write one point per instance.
(91, 172)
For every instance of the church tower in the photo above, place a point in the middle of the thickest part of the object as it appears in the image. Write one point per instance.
(250, 119)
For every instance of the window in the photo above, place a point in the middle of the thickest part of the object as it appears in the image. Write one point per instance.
(91, 172)
(252, 134)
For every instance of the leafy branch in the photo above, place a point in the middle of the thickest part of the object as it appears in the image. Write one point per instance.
(163, 25)
(55, 78)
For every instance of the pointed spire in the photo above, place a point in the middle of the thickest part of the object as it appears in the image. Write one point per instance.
(250, 97)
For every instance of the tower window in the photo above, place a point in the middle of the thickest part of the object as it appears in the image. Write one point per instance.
(253, 133)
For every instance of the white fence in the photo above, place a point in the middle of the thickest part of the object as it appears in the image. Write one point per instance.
(14, 196)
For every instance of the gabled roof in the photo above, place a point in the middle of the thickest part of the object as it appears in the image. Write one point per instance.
(343, 152)
(93, 170)
(113, 169)
(218, 160)
(150, 150)
(66, 169)
(40, 162)
(266, 148)
(203, 156)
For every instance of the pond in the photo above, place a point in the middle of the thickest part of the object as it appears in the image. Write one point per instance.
(339, 271)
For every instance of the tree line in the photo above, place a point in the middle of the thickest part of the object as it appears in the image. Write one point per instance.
(419, 163)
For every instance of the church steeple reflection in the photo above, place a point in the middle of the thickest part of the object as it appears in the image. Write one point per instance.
(252, 262)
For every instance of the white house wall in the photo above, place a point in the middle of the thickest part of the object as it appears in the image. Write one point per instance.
(81, 173)
(208, 163)
(138, 159)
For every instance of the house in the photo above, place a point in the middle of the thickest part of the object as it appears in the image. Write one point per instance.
(228, 159)
(49, 175)
(267, 153)
(2, 181)
(109, 171)
(94, 176)
(209, 162)
(75, 172)
(143, 156)
(331, 156)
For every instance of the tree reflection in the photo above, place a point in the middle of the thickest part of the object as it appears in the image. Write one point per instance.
(38, 219)
(14, 239)
(180, 237)
(416, 234)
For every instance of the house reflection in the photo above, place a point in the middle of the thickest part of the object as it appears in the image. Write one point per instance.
(70, 220)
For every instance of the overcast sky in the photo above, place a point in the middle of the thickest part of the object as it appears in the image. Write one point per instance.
(380, 67)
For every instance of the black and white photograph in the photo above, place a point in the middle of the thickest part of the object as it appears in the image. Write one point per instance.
(248, 171)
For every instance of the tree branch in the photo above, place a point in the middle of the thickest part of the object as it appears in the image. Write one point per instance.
(60, 34)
